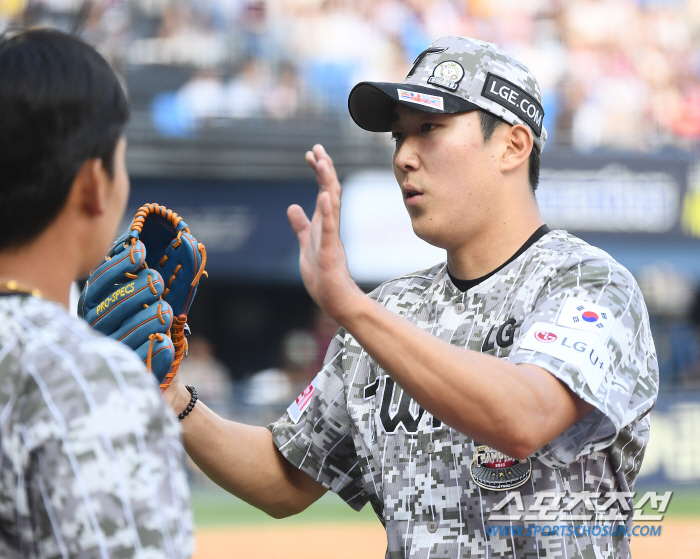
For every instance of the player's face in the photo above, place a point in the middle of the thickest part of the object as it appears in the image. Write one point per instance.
(447, 175)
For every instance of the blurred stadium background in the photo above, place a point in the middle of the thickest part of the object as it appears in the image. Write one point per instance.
(228, 94)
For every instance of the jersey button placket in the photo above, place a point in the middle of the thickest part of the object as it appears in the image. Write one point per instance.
(430, 447)
(432, 527)
(460, 308)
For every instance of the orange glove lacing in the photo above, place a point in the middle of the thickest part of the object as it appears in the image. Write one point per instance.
(177, 335)
(177, 331)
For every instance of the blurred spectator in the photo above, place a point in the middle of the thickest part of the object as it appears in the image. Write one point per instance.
(251, 93)
(183, 37)
(280, 385)
(107, 26)
(302, 353)
(244, 94)
(204, 96)
(208, 375)
(669, 296)
(614, 73)
(282, 97)
(252, 24)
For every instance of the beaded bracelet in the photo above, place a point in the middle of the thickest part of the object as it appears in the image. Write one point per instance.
(193, 401)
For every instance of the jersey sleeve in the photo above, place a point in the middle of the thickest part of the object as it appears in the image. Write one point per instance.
(589, 328)
(315, 433)
(97, 457)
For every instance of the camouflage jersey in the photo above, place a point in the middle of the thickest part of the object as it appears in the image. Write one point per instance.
(559, 304)
(91, 459)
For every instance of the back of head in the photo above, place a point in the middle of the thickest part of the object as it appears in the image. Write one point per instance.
(60, 105)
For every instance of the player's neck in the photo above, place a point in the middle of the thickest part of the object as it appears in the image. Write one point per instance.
(42, 265)
(489, 249)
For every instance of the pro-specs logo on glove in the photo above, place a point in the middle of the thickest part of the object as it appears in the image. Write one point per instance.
(114, 297)
(515, 99)
(141, 293)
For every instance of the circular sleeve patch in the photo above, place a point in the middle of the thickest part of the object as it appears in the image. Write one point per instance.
(496, 471)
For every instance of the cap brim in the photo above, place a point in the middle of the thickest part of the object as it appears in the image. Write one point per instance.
(371, 104)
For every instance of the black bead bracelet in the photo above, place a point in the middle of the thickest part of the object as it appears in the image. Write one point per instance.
(193, 401)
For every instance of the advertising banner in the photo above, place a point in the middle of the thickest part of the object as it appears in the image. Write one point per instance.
(641, 206)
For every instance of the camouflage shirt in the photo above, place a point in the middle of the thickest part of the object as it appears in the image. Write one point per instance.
(91, 459)
(562, 305)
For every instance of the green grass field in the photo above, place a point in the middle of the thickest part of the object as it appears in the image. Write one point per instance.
(685, 502)
(214, 507)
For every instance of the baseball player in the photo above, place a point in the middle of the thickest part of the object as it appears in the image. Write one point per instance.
(507, 386)
(90, 457)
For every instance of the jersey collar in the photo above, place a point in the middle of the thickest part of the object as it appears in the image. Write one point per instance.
(465, 285)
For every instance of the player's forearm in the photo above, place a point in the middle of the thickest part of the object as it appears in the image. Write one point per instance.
(244, 460)
(494, 401)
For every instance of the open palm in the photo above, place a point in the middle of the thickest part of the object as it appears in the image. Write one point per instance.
(322, 258)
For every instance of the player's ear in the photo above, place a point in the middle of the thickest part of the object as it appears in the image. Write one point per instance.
(517, 146)
(90, 187)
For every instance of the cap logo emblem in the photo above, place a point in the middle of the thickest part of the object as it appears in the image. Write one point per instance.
(421, 56)
(515, 99)
(447, 74)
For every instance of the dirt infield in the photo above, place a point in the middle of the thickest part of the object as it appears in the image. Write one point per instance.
(680, 539)
(318, 541)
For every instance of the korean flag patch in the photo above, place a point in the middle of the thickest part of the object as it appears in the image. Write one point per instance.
(582, 315)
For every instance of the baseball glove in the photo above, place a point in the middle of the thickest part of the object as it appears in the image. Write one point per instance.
(142, 292)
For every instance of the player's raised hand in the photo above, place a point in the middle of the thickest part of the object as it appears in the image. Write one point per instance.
(322, 257)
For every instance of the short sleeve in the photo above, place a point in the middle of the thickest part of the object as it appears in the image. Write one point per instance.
(315, 433)
(589, 328)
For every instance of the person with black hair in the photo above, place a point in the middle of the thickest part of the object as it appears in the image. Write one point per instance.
(90, 460)
(477, 403)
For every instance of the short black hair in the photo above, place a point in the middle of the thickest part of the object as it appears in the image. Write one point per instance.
(60, 105)
(489, 123)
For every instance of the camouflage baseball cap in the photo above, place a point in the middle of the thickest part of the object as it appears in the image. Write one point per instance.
(456, 75)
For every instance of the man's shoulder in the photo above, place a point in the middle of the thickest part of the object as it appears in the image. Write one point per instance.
(65, 374)
(561, 242)
(566, 252)
(411, 283)
(54, 343)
